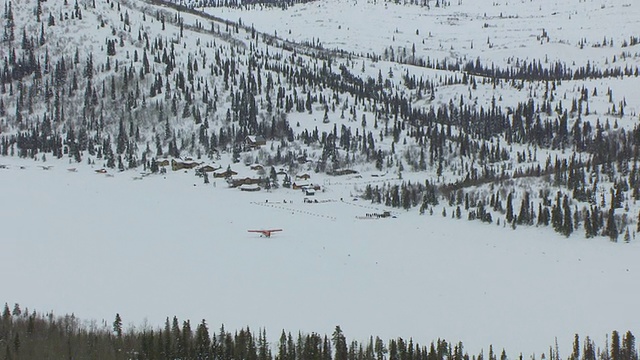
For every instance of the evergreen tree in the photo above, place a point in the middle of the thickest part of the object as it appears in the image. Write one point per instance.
(117, 326)
(88, 70)
(16, 310)
(629, 351)
(615, 345)
(612, 230)
(524, 217)
(509, 216)
(122, 138)
(588, 229)
(567, 222)
(6, 314)
(339, 344)
(575, 354)
(282, 347)
(557, 215)
(9, 27)
(589, 352)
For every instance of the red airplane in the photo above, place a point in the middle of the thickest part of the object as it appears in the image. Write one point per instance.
(265, 233)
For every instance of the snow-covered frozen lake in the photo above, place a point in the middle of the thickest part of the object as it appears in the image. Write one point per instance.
(93, 245)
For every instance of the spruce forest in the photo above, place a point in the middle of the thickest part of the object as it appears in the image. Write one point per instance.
(46, 336)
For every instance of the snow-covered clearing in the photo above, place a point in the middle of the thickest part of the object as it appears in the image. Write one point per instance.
(490, 30)
(169, 245)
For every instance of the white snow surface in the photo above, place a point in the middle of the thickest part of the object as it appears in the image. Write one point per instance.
(98, 245)
(494, 31)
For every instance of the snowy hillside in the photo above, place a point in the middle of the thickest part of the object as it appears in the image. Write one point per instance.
(502, 137)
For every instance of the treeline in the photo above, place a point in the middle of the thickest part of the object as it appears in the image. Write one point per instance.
(516, 69)
(602, 213)
(405, 195)
(32, 335)
(535, 71)
(283, 4)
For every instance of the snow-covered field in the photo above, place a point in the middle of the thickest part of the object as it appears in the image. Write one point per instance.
(169, 245)
(494, 31)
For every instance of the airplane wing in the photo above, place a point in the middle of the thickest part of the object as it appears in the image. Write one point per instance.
(266, 233)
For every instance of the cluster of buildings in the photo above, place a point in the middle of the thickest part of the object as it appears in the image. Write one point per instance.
(255, 179)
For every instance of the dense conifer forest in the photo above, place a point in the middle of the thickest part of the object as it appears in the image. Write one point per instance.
(34, 335)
